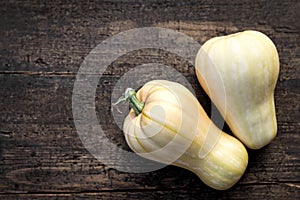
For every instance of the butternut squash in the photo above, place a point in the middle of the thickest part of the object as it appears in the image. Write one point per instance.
(167, 124)
(247, 66)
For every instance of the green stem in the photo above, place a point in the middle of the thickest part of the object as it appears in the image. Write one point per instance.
(134, 103)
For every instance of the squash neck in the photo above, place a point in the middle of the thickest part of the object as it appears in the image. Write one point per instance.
(134, 102)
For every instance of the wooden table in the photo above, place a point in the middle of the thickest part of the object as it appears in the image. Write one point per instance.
(43, 44)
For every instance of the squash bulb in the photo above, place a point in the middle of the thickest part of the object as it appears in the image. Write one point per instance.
(247, 64)
(167, 124)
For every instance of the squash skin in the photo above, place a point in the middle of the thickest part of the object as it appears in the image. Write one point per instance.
(218, 159)
(248, 64)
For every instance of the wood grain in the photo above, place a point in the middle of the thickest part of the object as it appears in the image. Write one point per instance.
(41, 49)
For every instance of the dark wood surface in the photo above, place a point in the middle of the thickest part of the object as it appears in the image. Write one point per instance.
(42, 46)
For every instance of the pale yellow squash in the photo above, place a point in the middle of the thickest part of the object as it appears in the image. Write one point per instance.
(167, 124)
(239, 73)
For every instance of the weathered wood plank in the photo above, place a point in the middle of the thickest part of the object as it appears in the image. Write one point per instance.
(56, 38)
(272, 191)
(41, 150)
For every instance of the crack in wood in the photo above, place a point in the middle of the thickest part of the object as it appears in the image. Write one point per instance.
(40, 73)
(295, 184)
